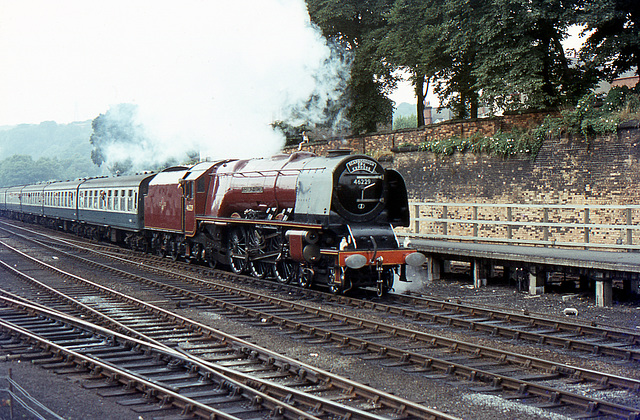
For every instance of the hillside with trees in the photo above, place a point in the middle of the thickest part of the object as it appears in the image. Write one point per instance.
(47, 151)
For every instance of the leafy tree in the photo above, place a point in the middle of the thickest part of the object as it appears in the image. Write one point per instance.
(22, 170)
(409, 121)
(354, 25)
(613, 47)
(413, 44)
(521, 60)
(116, 127)
(458, 87)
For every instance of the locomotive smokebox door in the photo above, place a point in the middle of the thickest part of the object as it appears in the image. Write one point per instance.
(359, 189)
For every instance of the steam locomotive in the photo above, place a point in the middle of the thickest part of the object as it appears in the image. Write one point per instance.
(299, 218)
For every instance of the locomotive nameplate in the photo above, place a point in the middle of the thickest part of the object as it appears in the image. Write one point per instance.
(361, 165)
(252, 190)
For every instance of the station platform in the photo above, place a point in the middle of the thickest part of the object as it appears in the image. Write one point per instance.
(599, 266)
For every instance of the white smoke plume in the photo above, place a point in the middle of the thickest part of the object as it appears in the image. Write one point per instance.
(206, 75)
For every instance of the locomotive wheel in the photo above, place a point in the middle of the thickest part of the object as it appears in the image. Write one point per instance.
(237, 251)
(257, 244)
(173, 251)
(210, 258)
(286, 271)
(305, 278)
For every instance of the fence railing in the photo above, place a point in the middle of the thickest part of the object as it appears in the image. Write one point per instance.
(614, 227)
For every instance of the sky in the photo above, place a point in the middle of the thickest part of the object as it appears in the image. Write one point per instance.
(204, 73)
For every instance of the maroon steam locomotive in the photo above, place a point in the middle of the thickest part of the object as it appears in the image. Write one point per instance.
(298, 218)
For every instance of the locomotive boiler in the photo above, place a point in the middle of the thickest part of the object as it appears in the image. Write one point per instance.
(297, 218)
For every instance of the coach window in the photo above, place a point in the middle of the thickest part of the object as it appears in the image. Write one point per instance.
(130, 207)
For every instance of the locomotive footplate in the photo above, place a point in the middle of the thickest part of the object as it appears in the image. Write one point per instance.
(360, 258)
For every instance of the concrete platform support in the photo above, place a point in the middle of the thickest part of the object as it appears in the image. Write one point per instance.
(445, 266)
(536, 282)
(604, 292)
(433, 266)
(480, 270)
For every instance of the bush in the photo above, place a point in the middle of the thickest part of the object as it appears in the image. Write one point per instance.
(593, 115)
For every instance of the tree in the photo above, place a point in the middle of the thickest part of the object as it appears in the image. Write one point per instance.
(413, 44)
(354, 25)
(22, 170)
(115, 128)
(521, 60)
(613, 47)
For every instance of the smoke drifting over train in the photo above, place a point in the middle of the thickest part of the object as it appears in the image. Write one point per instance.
(210, 76)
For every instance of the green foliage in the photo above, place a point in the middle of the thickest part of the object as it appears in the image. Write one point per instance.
(46, 139)
(356, 26)
(507, 55)
(413, 43)
(501, 144)
(23, 169)
(31, 153)
(293, 135)
(115, 128)
(613, 46)
(401, 122)
(592, 116)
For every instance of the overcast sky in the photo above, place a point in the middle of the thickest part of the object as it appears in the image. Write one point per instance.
(201, 71)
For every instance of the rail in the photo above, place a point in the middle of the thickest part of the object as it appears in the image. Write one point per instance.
(610, 227)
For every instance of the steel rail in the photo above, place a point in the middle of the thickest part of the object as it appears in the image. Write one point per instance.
(494, 316)
(628, 337)
(400, 405)
(130, 380)
(405, 356)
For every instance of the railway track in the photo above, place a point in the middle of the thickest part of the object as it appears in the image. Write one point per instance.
(590, 339)
(241, 363)
(414, 350)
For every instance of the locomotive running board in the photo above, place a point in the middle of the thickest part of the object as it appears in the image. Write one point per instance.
(261, 222)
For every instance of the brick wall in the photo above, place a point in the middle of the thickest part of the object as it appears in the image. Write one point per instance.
(386, 141)
(570, 170)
